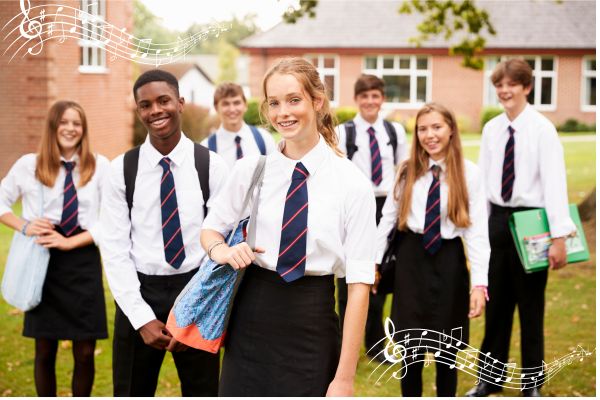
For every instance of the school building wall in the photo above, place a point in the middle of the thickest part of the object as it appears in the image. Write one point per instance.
(460, 88)
(31, 84)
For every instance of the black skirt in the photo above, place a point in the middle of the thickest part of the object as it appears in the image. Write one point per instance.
(431, 291)
(72, 306)
(283, 338)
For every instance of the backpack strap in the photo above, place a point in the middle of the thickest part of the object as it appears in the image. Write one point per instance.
(130, 167)
(202, 163)
(350, 139)
(212, 142)
(391, 131)
(260, 142)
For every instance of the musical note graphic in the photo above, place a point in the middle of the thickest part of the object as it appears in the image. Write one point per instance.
(402, 347)
(28, 30)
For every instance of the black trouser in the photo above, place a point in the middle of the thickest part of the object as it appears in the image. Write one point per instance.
(509, 285)
(374, 331)
(412, 383)
(136, 366)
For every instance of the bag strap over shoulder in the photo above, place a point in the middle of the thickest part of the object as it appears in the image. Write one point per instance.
(392, 135)
(130, 167)
(260, 142)
(212, 142)
(351, 147)
(202, 163)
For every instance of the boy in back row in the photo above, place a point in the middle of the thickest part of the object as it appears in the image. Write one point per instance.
(376, 147)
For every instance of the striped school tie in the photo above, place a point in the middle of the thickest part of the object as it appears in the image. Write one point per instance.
(70, 212)
(376, 174)
(508, 167)
(238, 148)
(171, 227)
(292, 247)
(432, 237)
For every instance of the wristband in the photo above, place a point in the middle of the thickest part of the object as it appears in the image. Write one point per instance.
(485, 291)
(212, 246)
(24, 229)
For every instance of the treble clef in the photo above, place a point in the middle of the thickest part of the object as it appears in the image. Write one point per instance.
(34, 28)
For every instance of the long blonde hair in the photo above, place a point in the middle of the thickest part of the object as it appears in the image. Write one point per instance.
(308, 77)
(418, 164)
(48, 156)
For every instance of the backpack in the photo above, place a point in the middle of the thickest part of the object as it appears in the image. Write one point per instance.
(351, 146)
(130, 167)
(212, 141)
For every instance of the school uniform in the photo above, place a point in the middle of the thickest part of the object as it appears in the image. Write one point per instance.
(283, 337)
(538, 180)
(72, 306)
(362, 158)
(231, 148)
(431, 289)
(143, 282)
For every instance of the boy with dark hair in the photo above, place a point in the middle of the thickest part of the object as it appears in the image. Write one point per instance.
(376, 146)
(152, 211)
(235, 139)
(521, 160)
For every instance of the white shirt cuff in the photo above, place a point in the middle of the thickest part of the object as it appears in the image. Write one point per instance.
(360, 272)
(564, 228)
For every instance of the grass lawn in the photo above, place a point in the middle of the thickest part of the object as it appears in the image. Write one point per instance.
(570, 321)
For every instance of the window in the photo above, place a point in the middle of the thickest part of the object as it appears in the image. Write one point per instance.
(543, 92)
(327, 66)
(93, 54)
(588, 89)
(407, 78)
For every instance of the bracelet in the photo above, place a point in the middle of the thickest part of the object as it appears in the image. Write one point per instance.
(24, 228)
(485, 291)
(212, 246)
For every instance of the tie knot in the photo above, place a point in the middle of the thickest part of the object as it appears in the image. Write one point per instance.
(435, 171)
(165, 163)
(511, 130)
(69, 165)
(300, 172)
(371, 131)
(238, 139)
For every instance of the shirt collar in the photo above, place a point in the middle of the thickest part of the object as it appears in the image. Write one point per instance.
(441, 163)
(311, 160)
(177, 155)
(225, 133)
(364, 124)
(518, 124)
(75, 158)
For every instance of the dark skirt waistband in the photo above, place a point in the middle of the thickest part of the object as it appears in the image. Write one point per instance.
(501, 210)
(166, 280)
(419, 236)
(272, 276)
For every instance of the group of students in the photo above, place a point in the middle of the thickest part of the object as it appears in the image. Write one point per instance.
(330, 196)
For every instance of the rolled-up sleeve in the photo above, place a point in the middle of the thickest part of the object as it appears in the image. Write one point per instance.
(389, 216)
(360, 233)
(10, 189)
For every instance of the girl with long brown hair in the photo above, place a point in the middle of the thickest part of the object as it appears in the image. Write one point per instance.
(438, 200)
(64, 177)
(315, 220)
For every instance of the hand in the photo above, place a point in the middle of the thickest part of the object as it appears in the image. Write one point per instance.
(176, 346)
(340, 388)
(53, 239)
(477, 303)
(39, 226)
(377, 279)
(238, 256)
(557, 254)
(155, 334)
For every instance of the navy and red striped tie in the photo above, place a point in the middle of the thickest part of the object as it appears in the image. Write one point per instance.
(238, 148)
(70, 212)
(432, 237)
(171, 227)
(292, 247)
(376, 172)
(508, 167)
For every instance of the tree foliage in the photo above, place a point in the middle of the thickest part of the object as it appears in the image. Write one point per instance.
(440, 17)
(237, 30)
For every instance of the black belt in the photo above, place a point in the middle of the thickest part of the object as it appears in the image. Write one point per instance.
(496, 209)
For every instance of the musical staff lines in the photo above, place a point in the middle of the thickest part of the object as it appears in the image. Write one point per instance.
(402, 349)
(34, 26)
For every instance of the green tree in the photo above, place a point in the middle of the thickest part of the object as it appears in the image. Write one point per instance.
(236, 30)
(228, 55)
(148, 26)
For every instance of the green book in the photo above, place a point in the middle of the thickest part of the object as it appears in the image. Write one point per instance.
(531, 234)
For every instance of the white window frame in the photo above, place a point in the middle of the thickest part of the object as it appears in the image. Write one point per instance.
(98, 62)
(412, 72)
(538, 74)
(335, 72)
(585, 75)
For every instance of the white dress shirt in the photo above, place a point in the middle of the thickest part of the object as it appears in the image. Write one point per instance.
(362, 156)
(540, 176)
(227, 148)
(136, 245)
(21, 182)
(341, 212)
(475, 236)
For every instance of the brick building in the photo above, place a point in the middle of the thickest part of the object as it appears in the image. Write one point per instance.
(347, 38)
(79, 70)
